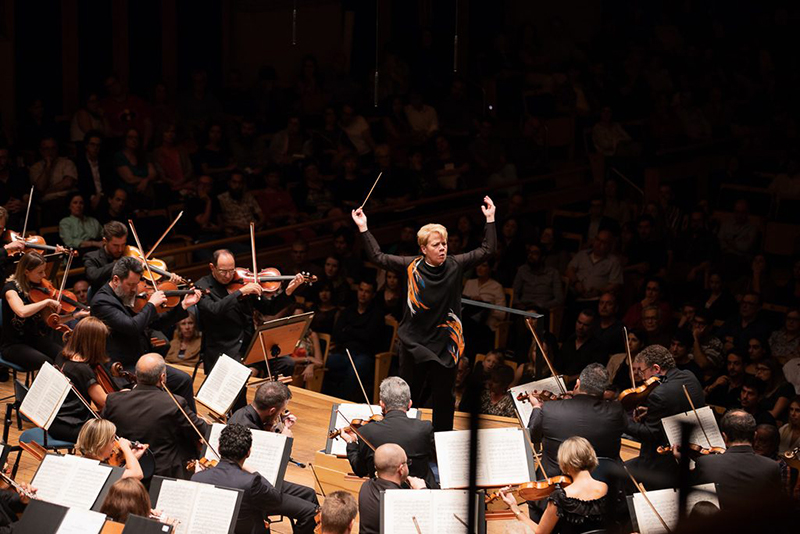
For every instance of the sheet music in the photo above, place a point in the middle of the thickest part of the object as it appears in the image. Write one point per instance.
(502, 457)
(666, 502)
(266, 453)
(223, 384)
(70, 481)
(81, 522)
(176, 500)
(44, 399)
(433, 510)
(200, 508)
(524, 409)
(672, 427)
(356, 411)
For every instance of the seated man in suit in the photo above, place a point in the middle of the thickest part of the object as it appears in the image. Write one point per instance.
(260, 497)
(668, 398)
(415, 436)
(587, 415)
(391, 470)
(338, 513)
(742, 476)
(147, 414)
(267, 411)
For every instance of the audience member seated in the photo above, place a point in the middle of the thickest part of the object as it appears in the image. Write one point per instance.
(750, 400)
(610, 330)
(358, 329)
(653, 296)
(332, 276)
(784, 344)
(325, 310)
(423, 118)
(681, 349)
(313, 197)
(290, 144)
(598, 221)
(203, 213)
(172, 162)
(537, 284)
(580, 349)
(718, 300)
(595, 271)
(276, 201)
(214, 158)
(657, 334)
(726, 390)
(123, 111)
(238, 207)
(695, 250)
(489, 158)
(114, 208)
(250, 150)
(790, 432)
(610, 138)
(89, 117)
(447, 166)
(707, 349)
(619, 372)
(186, 343)
(758, 280)
(738, 238)
(778, 392)
(648, 254)
(481, 324)
(463, 371)
(96, 179)
(495, 399)
(136, 173)
(54, 178)
(80, 231)
(391, 296)
(749, 323)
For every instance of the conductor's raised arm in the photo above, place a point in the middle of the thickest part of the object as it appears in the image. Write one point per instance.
(373, 250)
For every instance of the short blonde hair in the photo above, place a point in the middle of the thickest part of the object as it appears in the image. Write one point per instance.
(576, 454)
(94, 436)
(424, 234)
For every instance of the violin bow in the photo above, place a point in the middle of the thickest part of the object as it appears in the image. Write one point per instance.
(256, 280)
(141, 251)
(64, 279)
(630, 360)
(544, 355)
(160, 239)
(202, 437)
(641, 489)
(364, 391)
(537, 457)
(27, 213)
(416, 524)
(314, 472)
(361, 207)
(697, 415)
(355, 430)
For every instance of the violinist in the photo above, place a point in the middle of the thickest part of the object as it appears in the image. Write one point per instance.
(99, 263)
(414, 436)
(666, 399)
(586, 414)
(129, 332)
(267, 410)
(226, 317)
(25, 339)
(86, 348)
(96, 441)
(391, 472)
(580, 507)
(259, 497)
(8, 248)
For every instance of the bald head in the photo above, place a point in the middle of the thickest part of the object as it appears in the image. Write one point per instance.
(149, 369)
(388, 457)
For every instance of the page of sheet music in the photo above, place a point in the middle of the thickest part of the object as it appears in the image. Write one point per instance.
(213, 510)
(81, 522)
(265, 455)
(85, 485)
(47, 394)
(223, 384)
(401, 506)
(502, 457)
(448, 504)
(672, 427)
(176, 499)
(355, 411)
(70, 480)
(524, 409)
(666, 502)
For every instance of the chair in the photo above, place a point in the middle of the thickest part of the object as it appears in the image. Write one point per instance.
(14, 370)
(383, 360)
(315, 384)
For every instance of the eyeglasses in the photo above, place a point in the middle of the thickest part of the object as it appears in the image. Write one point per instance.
(225, 271)
(408, 462)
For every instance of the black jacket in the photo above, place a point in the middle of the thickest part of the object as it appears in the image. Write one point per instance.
(361, 333)
(247, 416)
(86, 185)
(415, 436)
(226, 319)
(741, 475)
(10, 506)
(98, 267)
(369, 504)
(148, 415)
(601, 422)
(129, 332)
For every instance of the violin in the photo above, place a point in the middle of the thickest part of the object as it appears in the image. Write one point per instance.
(33, 243)
(204, 462)
(536, 490)
(354, 423)
(117, 458)
(269, 279)
(46, 290)
(117, 371)
(695, 450)
(543, 396)
(171, 291)
(158, 268)
(792, 458)
(633, 397)
(104, 379)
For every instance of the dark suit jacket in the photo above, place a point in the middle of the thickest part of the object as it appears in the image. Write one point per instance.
(741, 475)
(259, 497)
(86, 186)
(129, 336)
(226, 319)
(666, 399)
(98, 267)
(247, 416)
(148, 415)
(369, 504)
(415, 436)
(600, 422)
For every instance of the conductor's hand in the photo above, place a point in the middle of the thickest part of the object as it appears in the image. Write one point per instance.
(157, 299)
(361, 220)
(191, 299)
(416, 483)
(251, 289)
(488, 208)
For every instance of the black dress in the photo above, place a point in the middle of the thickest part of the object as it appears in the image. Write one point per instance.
(576, 516)
(73, 413)
(25, 341)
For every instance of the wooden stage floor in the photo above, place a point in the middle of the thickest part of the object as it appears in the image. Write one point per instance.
(310, 433)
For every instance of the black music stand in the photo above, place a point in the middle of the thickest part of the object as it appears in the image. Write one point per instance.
(279, 337)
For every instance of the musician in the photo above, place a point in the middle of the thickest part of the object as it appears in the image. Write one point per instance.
(126, 497)
(130, 331)
(430, 334)
(666, 399)
(741, 475)
(147, 414)
(226, 318)
(97, 439)
(586, 415)
(86, 349)
(8, 248)
(267, 411)
(260, 497)
(415, 436)
(338, 513)
(98, 263)
(12, 503)
(391, 472)
(24, 339)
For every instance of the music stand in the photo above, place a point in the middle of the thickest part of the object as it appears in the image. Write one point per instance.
(278, 337)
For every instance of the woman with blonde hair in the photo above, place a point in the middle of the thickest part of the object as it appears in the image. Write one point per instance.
(86, 349)
(97, 439)
(581, 506)
(186, 343)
